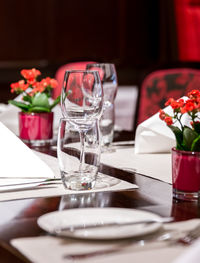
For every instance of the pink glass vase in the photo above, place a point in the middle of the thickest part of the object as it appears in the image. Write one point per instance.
(185, 174)
(36, 128)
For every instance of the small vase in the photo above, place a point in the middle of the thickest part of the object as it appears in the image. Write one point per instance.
(36, 128)
(185, 174)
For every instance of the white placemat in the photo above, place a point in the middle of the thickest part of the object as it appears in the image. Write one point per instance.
(103, 183)
(156, 165)
(53, 249)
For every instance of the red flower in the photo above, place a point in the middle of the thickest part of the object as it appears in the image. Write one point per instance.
(30, 74)
(19, 86)
(189, 106)
(162, 115)
(169, 102)
(168, 120)
(49, 82)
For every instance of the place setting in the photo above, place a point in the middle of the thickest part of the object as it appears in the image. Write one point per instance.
(84, 142)
(79, 145)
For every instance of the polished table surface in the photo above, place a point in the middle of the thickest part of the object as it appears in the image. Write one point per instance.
(19, 218)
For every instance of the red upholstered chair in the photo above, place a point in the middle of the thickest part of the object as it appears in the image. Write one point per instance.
(161, 85)
(187, 17)
(59, 76)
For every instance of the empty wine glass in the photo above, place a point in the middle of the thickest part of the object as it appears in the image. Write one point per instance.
(82, 103)
(108, 77)
(82, 96)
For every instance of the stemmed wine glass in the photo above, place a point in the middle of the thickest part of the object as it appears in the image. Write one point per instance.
(82, 103)
(109, 81)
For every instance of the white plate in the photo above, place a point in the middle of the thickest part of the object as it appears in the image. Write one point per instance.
(83, 216)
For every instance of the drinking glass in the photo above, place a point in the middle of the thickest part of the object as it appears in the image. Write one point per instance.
(78, 171)
(108, 77)
(82, 96)
(82, 101)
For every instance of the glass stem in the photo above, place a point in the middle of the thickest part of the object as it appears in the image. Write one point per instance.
(82, 153)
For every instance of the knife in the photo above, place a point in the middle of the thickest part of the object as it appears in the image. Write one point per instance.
(28, 185)
(111, 224)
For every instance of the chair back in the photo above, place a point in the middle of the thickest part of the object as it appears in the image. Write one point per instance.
(59, 75)
(160, 85)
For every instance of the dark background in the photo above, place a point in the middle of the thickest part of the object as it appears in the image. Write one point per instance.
(136, 35)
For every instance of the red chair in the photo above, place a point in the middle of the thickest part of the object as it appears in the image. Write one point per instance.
(187, 17)
(161, 85)
(59, 76)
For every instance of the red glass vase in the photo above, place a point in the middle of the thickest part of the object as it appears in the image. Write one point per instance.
(36, 128)
(185, 174)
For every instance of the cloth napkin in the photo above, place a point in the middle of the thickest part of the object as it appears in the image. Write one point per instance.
(153, 135)
(17, 160)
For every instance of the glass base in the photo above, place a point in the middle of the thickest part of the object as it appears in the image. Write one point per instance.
(186, 196)
(78, 183)
(38, 143)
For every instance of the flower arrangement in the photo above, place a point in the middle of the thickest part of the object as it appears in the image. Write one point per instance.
(35, 94)
(187, 137)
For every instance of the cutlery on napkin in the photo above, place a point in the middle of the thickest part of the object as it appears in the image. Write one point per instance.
(153, 135)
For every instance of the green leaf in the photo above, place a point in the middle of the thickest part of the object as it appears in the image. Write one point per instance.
(39, 109)
(40, 100)
(21, 105)
(189, 136)
(179, 137)
(27, 98)
(56, 101)
(197, 127)
(196, 145)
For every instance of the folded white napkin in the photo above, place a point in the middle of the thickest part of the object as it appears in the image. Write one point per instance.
(17, 160)
(153, 135)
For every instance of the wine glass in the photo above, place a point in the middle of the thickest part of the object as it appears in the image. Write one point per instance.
(82, 96)
(82, 103)
(109, 81)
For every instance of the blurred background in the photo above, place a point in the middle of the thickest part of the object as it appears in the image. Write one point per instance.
(138, 36)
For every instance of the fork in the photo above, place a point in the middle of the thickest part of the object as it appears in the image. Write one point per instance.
(187, 239)
(191, 236)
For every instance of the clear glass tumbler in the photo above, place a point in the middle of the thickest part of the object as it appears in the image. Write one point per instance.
(78, 159)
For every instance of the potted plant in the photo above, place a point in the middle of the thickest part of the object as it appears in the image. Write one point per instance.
(186, 154)
(36, 116)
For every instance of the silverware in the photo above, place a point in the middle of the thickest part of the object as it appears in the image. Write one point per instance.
(187, 239)
(28, 185)
(123, 144)
(111, 224)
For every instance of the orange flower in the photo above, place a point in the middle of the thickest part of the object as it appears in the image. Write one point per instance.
(19, 86)
(38, 88)
(49, 82)
(30, 74)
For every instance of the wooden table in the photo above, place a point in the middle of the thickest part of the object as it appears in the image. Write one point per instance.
(19, 218)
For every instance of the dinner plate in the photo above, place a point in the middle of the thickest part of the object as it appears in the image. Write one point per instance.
(54, 221)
